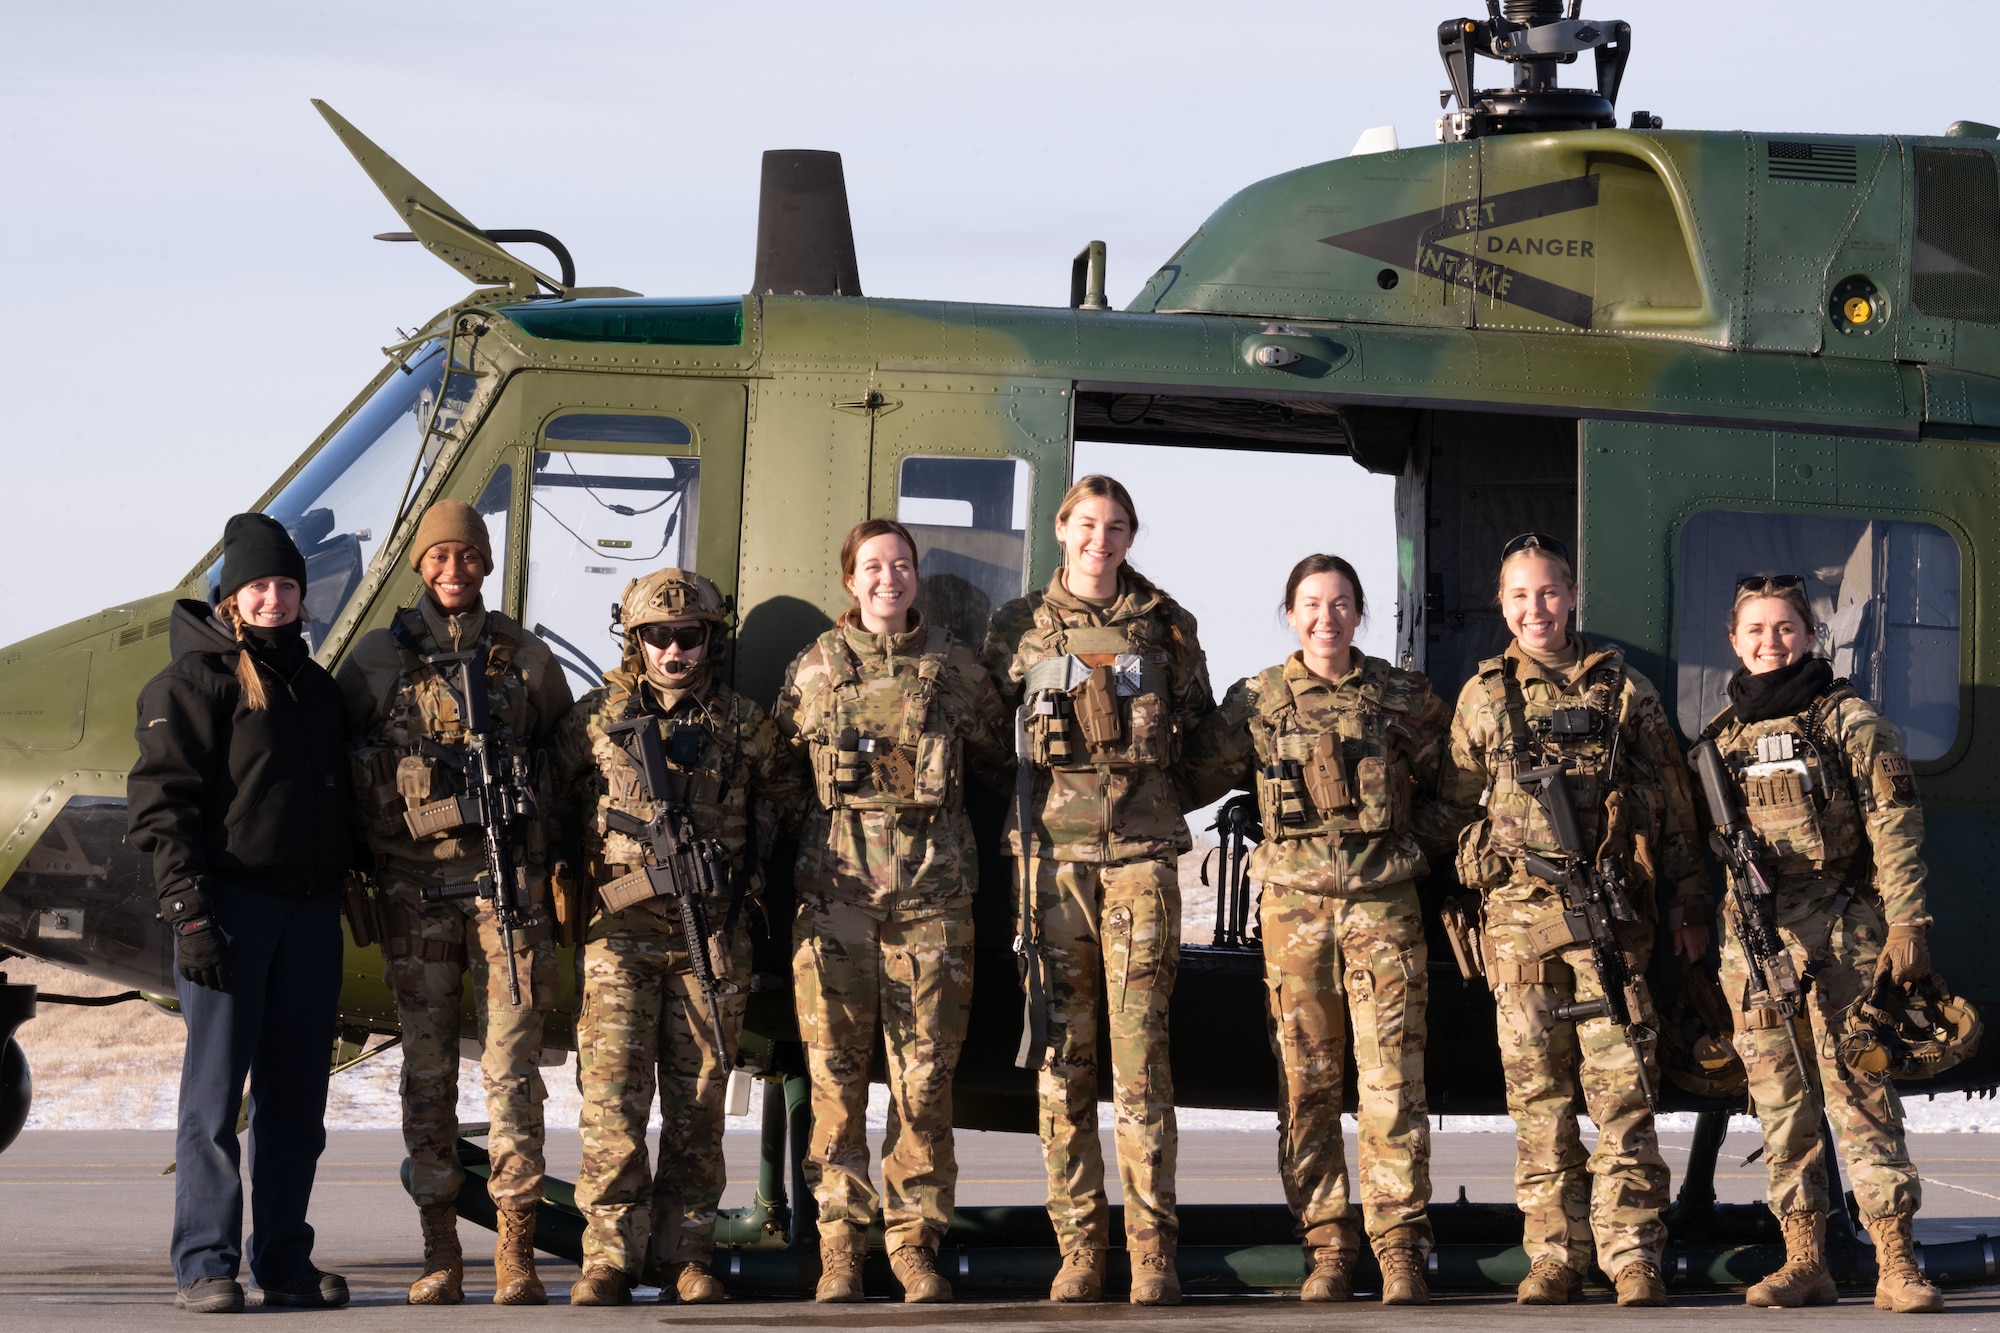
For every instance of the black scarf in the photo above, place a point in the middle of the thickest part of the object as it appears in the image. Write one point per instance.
(1786, 692)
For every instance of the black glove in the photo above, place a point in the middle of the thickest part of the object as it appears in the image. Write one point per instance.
(200, 953)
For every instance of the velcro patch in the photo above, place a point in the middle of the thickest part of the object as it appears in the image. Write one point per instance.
(1895, 785)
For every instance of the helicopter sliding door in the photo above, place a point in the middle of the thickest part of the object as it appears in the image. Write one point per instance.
(1889, 535)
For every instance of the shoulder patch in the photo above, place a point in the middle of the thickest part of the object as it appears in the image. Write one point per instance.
(1895, 785)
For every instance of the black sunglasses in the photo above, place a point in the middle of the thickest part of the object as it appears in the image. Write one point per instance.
(1770, 582)
(1536, 541)
(685, 637)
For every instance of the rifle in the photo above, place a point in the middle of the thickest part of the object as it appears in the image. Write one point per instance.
(1774, 977)
(499, 794)
(1595, 902)
(679, 864)
(1034, 1047)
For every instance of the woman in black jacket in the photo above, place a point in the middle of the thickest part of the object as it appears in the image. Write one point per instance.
(240, 797)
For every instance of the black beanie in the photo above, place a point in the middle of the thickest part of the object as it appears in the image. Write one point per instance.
(256, 546)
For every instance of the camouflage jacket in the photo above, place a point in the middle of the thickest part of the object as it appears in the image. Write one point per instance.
(1346, 773)
(1122, 800)
(1654, 827)
(1815, 786)
(723, 758)
(886, 825)
(394, 701)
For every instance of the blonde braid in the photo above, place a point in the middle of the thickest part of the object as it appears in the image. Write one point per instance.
(247, 674)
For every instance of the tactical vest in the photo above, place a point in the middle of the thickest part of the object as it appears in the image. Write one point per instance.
(1101, 697)
(704, 767)
(881, 743)
(396, 782)
(1315, 782)
(1794, 781)
(1536, 734)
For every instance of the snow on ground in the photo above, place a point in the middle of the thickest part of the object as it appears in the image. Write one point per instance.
(119, 1068)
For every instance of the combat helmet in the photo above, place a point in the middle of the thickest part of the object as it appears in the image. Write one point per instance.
(1908, 1032)
(1695, 1052)
(668, 595)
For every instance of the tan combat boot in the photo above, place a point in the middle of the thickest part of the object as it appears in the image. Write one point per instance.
(1548, 1283)
(840, 1269)
(1081, 1278)
(1332, 1275)
(514, 1279)
(443, 1282)
(1804, 1280)
(1400, 1256)
(1639, 1283)
(1154, 1280)
(916, 1268)
(695, 1283)
(1899, 1284)
(601, 1284)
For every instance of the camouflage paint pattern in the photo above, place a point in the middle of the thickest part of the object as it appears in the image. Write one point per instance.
(1111, 938)
(1325, 957)
(445, 942)
(645, 1029)
(1862, 790)
(855, 970)
(1122, 802)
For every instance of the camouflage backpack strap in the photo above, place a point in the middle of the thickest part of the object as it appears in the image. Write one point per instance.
(407, 630)
(930, 666)
(503, 641)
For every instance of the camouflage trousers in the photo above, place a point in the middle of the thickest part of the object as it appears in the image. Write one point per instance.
(429, 949)
(1867, 1121)
(1325, 956)
(1544, 1059)
(1111, 938)
(645, 1026)
(856, 971)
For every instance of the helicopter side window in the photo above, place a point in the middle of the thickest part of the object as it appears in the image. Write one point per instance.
(1884, 591)
(343, 499)
(970, 519)
(597, 521)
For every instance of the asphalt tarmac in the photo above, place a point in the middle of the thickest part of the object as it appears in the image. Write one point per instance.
(84, 1220)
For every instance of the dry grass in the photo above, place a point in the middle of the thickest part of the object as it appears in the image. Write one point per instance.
(96, 1067)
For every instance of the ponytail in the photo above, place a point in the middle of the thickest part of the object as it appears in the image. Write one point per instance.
(247, 675)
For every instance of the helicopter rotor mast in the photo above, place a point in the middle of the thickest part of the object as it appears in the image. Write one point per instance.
(1536, 37)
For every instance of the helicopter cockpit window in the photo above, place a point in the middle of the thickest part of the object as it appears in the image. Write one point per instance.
(597, 521)
(1885, 594)
(970, 519)
(344, 499)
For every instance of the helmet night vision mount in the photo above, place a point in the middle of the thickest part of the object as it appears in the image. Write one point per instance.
(1535, 37)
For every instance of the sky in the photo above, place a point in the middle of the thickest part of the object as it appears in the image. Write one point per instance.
(192, 294)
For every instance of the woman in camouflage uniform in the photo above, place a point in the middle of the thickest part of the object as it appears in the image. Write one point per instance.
(646, 1019)
(890, 712)
(1556, 698)
(1344, 752)
(1825, 784)
(1113, 676)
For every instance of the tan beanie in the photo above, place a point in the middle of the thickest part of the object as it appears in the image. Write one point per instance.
(451, 521)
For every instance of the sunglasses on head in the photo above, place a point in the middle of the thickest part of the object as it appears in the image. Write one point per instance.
(1770, 582)
(685, 637)
(1536, 541)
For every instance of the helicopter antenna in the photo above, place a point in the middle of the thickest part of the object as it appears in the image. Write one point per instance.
(443, 230)
(1536, 37)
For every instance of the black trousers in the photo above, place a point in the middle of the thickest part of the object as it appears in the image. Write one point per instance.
(274, 1025)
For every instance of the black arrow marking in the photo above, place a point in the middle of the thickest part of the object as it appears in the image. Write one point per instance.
(1411, 242)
